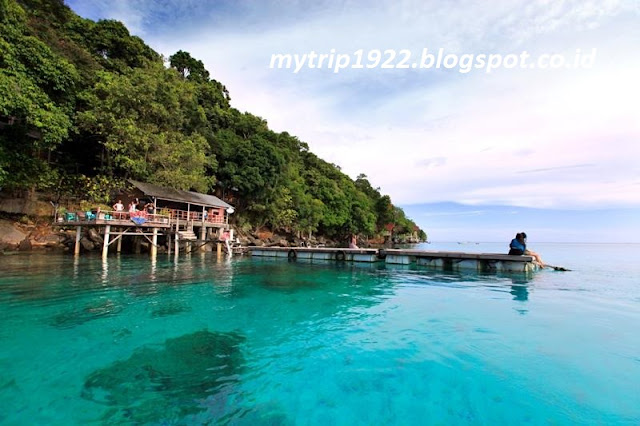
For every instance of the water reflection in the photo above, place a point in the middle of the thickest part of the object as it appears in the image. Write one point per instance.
(66, 276)
(76, 266)
(154, 268)
(105, 271)
(520, 292)
(519, 287)
(176, 262)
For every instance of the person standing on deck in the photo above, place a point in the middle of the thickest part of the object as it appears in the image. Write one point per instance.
(132, 207)
(118, 208)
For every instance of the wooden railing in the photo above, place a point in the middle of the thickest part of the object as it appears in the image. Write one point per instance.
(107, 215)
(195, 216)
(168, 216)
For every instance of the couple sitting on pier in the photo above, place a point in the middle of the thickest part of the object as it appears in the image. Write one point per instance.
(518, 247)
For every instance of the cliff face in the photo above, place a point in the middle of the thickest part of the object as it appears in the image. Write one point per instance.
(27, 205)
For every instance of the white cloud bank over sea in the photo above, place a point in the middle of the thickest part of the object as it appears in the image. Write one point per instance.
(561, 140)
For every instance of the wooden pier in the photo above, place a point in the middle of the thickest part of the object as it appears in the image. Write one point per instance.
(113, 226)
(445, 260)
(184, 218)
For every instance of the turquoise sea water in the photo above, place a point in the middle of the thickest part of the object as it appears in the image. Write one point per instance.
(261, 341)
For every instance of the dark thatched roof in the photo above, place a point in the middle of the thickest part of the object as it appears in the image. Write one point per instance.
(171, 194)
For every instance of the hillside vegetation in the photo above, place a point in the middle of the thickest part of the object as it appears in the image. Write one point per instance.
(85, 106)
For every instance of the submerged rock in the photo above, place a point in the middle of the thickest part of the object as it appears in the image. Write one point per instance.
(169, 309)
(89, 313)
(167, 383)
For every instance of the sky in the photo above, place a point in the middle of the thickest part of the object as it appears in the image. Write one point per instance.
(554, 152)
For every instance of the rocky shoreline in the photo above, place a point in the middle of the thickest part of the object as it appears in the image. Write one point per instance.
(26, 234)
(23, 233)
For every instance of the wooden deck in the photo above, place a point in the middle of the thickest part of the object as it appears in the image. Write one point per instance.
(176, 225)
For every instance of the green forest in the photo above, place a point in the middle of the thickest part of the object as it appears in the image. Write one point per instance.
(85, 105)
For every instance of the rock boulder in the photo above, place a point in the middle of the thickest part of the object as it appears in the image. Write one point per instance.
(87, 244)
(94, 236)
(10, 234)
(25, 245)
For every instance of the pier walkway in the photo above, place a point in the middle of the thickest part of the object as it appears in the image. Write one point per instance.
(446, 260)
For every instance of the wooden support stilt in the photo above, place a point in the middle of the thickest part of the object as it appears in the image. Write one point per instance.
(105, 243)
(76, 249)
(219, 249)
(154, 243)
(177, 237)
(203, 236)
(137, 245)
(169, 243)
(119, 245)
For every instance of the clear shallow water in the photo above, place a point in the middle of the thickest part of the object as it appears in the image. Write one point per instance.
(254, 341)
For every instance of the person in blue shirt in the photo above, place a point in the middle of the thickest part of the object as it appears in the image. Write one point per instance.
(518, 247)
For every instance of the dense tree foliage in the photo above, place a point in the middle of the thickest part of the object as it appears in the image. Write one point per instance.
(85, 105)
